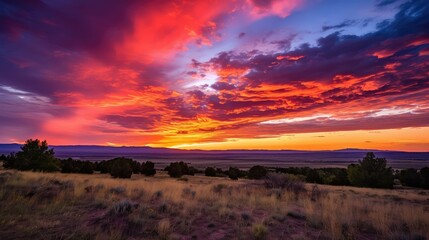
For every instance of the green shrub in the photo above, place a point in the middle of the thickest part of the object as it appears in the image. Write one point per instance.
(370, 172)
(34, 155)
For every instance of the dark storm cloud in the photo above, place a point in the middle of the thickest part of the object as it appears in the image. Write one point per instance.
(88, 27)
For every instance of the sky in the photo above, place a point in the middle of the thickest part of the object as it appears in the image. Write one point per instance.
(239, 74)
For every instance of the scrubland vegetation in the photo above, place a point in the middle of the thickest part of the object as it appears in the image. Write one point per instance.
(124, 199)
(77, 206)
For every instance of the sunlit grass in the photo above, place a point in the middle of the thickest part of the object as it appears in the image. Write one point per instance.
(92, 207)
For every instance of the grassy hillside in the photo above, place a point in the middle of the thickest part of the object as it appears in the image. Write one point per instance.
(74, 206)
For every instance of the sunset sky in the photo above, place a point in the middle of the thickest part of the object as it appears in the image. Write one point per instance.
(243, 74)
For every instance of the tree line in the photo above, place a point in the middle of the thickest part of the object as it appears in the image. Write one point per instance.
(371, 171)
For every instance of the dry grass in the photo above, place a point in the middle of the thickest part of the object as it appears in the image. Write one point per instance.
(74, 206)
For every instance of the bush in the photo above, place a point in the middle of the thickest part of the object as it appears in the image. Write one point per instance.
(424, 177)
(175, 170)
(409, 177)
(3, 158)
(370, 172)
(123, 207)
(107, 166)
(34, 155)
(192, 171)
(233, 173)
(275, 180)
(135, 166)
(148, 168)
(75, 166)
(289, 182)
(210, 172)
(331, 176)
(121, 168)
(314, 177)
(257, 172)
(103, 166)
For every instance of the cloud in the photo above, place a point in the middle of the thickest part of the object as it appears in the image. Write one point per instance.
(341, 70)
(339, 26)
(274, 7)
(137, 122)
(130, 71)
(382, 3)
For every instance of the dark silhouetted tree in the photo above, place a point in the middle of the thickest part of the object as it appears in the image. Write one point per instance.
(9, 161)
(409, 177)
(233, 173)
(104, 166)
(192, 171)
(184, 169)
(175, 170)
(148, 168)
(370, 172)
(257, 172)
(121, 168)
(424, 177)
(75, 166)
(340, 176)
(34, 155)
(313, 176)
(210, 172)
(135, 166)
(86, 167)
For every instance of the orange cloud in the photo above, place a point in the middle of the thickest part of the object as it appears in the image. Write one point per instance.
(162, 30)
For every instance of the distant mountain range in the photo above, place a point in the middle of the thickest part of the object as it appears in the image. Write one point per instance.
(243, 158)
(84, 149)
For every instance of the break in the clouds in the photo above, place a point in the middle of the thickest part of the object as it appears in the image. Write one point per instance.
(177, 73)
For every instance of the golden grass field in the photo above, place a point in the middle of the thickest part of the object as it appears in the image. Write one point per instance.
(76, 206)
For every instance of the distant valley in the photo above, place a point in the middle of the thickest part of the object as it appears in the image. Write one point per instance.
(239, 158)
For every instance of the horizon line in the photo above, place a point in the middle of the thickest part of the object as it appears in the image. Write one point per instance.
(212, 150)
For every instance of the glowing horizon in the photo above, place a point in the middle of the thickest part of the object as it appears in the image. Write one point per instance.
(244, 74)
